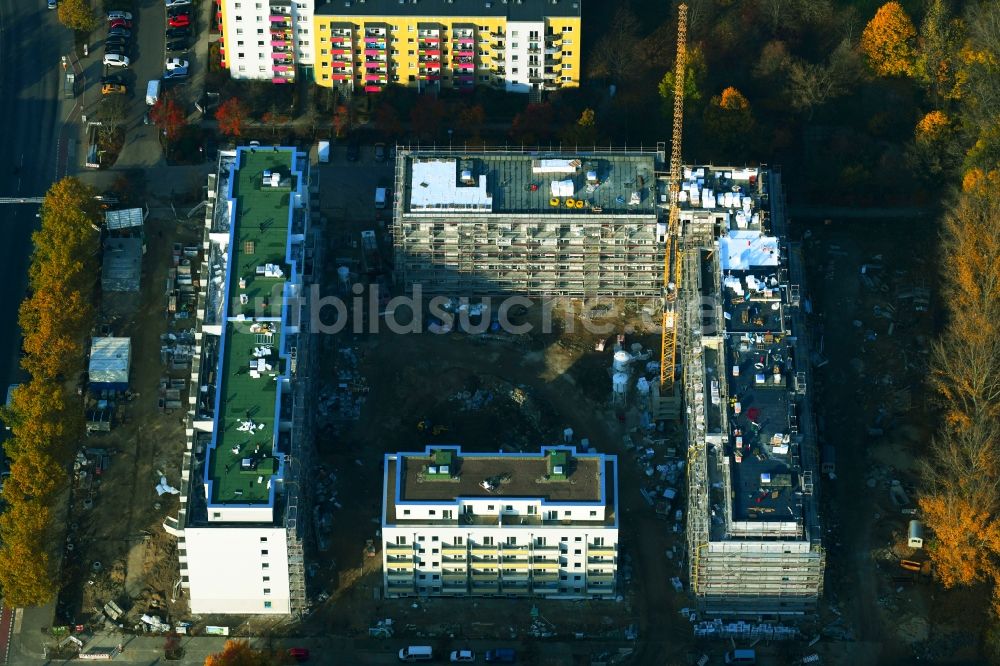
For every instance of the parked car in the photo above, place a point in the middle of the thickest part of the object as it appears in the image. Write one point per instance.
(116, 60)
(178, 46)
(146, 120)
(113, 89)
(114, 39)
(173, 33)
(113, 78)
(120, 32)
(380, 152)
(119, 49)
(176, 63)
(114, 16)
(462, 656)
(179, 11)
(353, 151)
(179, 73)
(299, 654)
(501, 656)
(178, 3)
(52, 4)
(119, 23)
(179, 21)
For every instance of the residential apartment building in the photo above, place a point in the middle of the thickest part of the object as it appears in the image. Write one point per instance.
(518, 45)
(500, 524)
(753, 522)
(239, 537)
(266, 39)
(583, 223)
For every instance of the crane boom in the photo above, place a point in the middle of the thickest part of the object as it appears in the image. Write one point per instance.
(672, 256)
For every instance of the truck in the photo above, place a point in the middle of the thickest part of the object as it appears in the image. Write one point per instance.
(323, 152)
(369, 254)
(152, 92)
(380, 195)
(69, 85)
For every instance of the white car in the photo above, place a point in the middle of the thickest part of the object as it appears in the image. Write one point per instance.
(176, 63)
(178, 3)
(116, 60)
(462, 656)
(52, 4)
(114, 16)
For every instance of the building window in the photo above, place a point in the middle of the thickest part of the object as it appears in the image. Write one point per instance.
(216, 514)
(266, 578)
(576, 565)
(243, 68)
(576, 577)
(267, 604)
(263, 552)
(568, 28)
(401, 541)
(562, 577)
(577, 551)
(238, 5)
(434, 551)
(326, 77)
(565, 539)
(260, 42)
(185, 579)
(458, 541)
(409, 28)
(511, 541)
(593, 513)
(406, 512)
(578, 539)
(433, 512)
(263, 539)
(539, 541)
(267, 590)
(488, 541)
(566, 65)
(260, 31)
(239, 18)
(513, 45)
(241, 55)
(598, 541)
(265, 565)
(513, 70)
(239, 31)
(514, 57)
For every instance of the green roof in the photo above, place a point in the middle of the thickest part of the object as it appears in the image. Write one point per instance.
(260, 235)
(245, 424)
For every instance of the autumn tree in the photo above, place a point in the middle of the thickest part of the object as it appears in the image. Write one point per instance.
(888, 41)
(533, 126)
(342, 120)
(616, 55)
(583, 131)
(938, 47)
(470, 121)
(239, 653)
(167, 114)
(729, 121)
(426, 117)
(232, 117)
(77, 15)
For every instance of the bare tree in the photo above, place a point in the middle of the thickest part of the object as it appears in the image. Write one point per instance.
(616, 56)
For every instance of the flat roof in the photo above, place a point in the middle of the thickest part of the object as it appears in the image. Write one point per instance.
(242, 462)
(121, 266)
(526, 10)
(556, 183)
(522, 476)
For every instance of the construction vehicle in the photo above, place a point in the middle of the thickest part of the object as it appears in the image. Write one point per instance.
(669, 390)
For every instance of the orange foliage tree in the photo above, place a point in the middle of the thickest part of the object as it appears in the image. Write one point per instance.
(239, 653)
(232, 116)
(887, 40)
(46, 420)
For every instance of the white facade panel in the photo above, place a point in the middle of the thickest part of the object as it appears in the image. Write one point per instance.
(236, 570)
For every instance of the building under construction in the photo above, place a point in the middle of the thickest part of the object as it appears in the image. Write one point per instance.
(753, 528)
(579, 223)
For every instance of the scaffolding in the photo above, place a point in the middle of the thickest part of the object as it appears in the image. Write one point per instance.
(497, 222)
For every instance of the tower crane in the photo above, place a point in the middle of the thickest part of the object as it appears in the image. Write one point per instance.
(672, 256)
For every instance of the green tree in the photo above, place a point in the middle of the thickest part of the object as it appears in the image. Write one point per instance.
(77, 15)
(938, 47)
(583, 132)
(695, 71)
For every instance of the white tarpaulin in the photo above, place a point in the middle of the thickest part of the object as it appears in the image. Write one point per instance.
(435, 188)
(743, 249)
(109, 362)
(562, 188)
(555, 166)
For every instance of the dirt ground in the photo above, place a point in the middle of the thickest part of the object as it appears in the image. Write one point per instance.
(873, 286)
(483, 392)
(116, 547)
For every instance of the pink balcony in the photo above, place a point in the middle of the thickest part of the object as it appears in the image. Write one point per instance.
(279, 42)
(278, 55)
(430, 40)
(278, 18)
(375, 40)
(431, 65)
(340, 77)
(465, 65)
(430, 52)
(378, 78)
(464, 54)
(465, 40)
(339, 51)
(374, 64)
(281, 79)
(374, 52)
(373, 88)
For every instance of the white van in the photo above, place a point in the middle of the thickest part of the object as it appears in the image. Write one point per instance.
(741, 657)
(416, 653)
(152, 92)
(380, 195)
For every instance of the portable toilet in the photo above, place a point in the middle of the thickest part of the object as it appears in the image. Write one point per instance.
(915, 535)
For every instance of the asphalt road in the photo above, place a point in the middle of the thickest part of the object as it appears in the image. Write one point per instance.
(31, 43)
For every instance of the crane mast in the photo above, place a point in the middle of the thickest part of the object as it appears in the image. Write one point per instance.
(672, 256)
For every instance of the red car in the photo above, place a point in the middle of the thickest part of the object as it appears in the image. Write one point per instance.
(182, 21)
(299, 654)
(119, 23)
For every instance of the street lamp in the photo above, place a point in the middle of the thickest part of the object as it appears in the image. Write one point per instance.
(449, 137)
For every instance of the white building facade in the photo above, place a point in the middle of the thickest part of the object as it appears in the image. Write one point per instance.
(498, 524)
